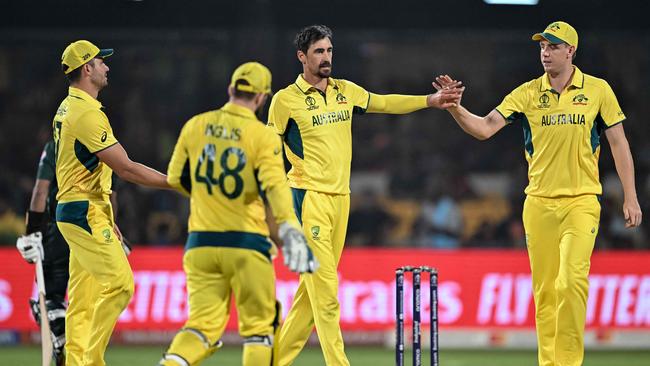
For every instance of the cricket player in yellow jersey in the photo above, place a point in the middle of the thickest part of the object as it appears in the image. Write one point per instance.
(563, 114)
(314, 116)
(227, 161)
(87, 152)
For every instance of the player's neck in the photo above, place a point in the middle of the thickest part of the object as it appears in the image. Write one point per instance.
(88, 87)
(316, 81)
(561, 79)
(250, 104)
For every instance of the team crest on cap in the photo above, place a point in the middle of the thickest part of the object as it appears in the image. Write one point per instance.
(543, 101)
(311, 103)
(554, 27)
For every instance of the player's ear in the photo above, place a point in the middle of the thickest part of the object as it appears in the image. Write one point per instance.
(260, 99)
(301, 56)
(231, 91)
(572, 51)
(87, 67)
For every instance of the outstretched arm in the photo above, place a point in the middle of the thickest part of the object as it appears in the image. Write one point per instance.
(625, 168)
(481, 128)
(117, 159)
(402, 104)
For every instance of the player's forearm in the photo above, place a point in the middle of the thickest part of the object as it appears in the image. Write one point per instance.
(143, 175)
(624, 167)
(470, 123)
(396, 103)
(38, 201)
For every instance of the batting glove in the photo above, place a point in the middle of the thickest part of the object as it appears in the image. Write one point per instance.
(297, 255)
(31, 247)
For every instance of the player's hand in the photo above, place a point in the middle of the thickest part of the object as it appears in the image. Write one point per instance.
(449, 92)
(297, 255)
(31, 247)
(632, 213)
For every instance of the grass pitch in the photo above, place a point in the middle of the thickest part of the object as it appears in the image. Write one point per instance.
(359, 356)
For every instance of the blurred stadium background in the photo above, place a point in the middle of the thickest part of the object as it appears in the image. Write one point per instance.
(423, 191)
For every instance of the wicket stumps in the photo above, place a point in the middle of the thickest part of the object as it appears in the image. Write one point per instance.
(399, 314)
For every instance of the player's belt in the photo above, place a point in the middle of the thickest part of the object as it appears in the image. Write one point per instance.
(229, 239)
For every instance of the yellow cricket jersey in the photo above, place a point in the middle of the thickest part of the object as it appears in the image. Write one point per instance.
(226, 160)
(81, 129)
(317, 129)
(562, 132)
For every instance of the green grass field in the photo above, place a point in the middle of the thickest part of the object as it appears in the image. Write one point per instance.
(359, 356)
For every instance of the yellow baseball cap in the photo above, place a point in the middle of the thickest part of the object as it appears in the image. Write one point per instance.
(559, 32)
(79, 52)
(257, 75)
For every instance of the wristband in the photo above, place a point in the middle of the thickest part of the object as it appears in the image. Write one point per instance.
(35, 222)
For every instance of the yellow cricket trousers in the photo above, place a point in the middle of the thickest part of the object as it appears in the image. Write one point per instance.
(324, 219)
(560, 235)
(101, 281)
(213, 273)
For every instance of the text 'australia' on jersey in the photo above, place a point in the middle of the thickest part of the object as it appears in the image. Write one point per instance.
(562, 132)
(224, 159)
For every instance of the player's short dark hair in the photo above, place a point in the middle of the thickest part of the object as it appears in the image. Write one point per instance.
(74, 75)
(311, 34)
(240, 94)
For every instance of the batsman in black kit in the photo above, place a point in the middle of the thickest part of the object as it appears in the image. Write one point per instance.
(52, 249)
(44, 240)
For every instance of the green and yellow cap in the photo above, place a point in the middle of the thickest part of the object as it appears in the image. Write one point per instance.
(557, 33)
(255, 74)
(79, 52)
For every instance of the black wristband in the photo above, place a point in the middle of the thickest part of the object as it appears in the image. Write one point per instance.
(35, 222)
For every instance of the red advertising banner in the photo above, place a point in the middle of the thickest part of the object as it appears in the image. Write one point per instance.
(477, 288)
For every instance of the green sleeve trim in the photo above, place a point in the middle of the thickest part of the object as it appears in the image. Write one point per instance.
(104, 148)
(360, 110)
(614, 124)
(508, 121)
